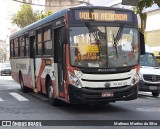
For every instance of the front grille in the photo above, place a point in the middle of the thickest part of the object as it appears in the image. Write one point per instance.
(109, 88)
(98, 95)
(149, 84)
(151, 78)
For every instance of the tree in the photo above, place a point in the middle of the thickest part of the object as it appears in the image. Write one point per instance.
(25, 16)
(43, 15)
(143, 15)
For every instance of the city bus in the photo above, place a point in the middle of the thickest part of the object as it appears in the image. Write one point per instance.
(79, 55)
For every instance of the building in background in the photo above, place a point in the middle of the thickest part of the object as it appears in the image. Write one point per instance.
(152, 32)
(2, 45)
(118, 4)
(56, 5)
(3, 51)
(10, 8)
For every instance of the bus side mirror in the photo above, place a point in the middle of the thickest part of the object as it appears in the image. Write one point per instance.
(142, 43)
(63, 35)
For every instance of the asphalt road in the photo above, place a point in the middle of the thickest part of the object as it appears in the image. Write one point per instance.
(15, 105)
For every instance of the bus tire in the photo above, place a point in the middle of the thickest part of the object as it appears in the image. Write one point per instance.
(155, 94)
(23, 88)
(50, 91)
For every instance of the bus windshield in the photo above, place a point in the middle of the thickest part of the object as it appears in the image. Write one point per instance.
(148, 60)
(103, 47)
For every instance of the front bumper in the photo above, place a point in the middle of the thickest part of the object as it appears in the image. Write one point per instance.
(94, 96)
(143, 86)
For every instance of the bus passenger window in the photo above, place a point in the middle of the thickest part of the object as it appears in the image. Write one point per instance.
(16, 47)
(22, 46)
(27, 45)
(39, 43)
(47, 42)
(12, 49)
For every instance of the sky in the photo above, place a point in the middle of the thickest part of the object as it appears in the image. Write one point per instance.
(7, 7)
(2, 21)
(100, 2)
(6, 12)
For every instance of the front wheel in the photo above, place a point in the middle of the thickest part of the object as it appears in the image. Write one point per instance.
(53, 101)
(155, 94)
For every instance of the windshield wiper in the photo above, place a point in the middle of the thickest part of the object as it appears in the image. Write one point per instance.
(91, 30)
(115, 45)
(117, 38)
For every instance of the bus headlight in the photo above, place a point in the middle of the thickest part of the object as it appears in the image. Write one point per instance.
(135, 79)
(74, 80)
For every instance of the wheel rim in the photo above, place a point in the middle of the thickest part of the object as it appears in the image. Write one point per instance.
(50, 92)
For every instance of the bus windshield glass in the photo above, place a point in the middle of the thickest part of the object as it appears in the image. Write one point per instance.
(103, 47)
(148, 60)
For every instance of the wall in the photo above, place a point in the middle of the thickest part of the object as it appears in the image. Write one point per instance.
(60, 4)
(152, 32)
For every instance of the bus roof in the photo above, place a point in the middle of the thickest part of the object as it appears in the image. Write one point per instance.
(58, 15)
(39, 23)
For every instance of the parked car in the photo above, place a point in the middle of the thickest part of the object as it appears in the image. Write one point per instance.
(5, 69)
(149, 73)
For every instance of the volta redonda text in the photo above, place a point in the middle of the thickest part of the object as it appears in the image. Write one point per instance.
(102, 16)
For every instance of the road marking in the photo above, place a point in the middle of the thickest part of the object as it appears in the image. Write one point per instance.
(1, 99)
(18, 96)
(149, 109)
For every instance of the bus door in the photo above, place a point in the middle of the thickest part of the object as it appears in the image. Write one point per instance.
(32, 56)
(59, 60)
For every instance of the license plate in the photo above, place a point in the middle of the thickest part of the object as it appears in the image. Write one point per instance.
(115, 84)
(107, 94)
(153, 87)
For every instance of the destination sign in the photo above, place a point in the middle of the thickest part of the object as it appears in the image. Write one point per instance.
(103, 15)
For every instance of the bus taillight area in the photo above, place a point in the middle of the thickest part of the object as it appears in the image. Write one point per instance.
(102, 88)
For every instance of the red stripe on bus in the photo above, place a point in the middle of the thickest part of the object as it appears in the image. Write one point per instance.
(43, 85)
(26, 79)
(38, 80)
(67, 69)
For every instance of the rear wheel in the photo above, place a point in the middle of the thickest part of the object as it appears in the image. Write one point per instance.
(155, 94)
(53, 101)
(23, 88)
